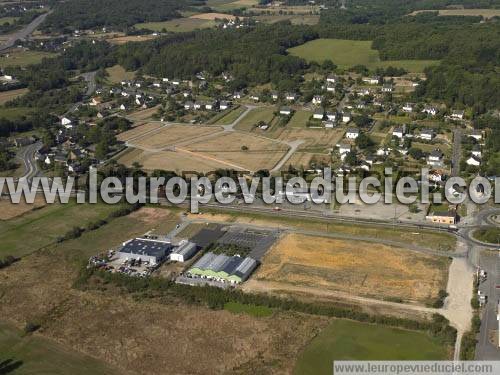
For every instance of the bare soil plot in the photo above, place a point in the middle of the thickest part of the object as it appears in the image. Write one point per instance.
(137, 131)
(249, 151)
(174, 134)
(355, 267)
(7, 96)
(9, 210)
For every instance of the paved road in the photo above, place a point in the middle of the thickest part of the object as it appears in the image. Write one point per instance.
(23, 33)
(457, 151)
(27, 155)
(293, 147)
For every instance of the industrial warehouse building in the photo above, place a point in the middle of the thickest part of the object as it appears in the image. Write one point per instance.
(184, 251)
(220, 267)
(145, 250)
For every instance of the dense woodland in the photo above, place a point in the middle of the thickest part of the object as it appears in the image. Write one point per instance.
(119, 14)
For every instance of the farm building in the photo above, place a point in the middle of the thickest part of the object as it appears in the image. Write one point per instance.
(147, 250)
(220, 267)
(184, 251)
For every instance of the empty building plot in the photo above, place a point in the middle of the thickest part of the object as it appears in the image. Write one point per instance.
(138, 131)
(223, 268)
(251, 152)
(172, 135)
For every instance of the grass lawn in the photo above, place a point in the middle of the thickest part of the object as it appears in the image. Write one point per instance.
(35, 355)
(253, 117)
(23, 58)
(180, 25)
(239, 308)
(347, 53)
(117, 74)
(299, 119)
(348, 340)
(231, 116)
(14, 112)
(43, 226)
(490, 235)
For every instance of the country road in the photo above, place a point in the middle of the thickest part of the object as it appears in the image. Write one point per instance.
(23, 33)
(27, 155)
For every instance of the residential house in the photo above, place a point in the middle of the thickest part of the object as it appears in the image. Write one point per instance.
(344, 148)
(427, 134)
(275, 96)
(457, 115)
(291, 96)
(476, 151)
(387, 87)
(331, 116)
(285, 111)
(317, 99)
(399, 132)
(331, 78)
(371, 80)
(210, 106)
(477, 135)
(330, 87)
(197, 105)
(352, 133)
(319, 114)
(474, 161)
(237, 95)
(224, 105)
(433, 111)
(188, 105)
(329, 124)
(346, 117)
(408, 107)
(435, 158)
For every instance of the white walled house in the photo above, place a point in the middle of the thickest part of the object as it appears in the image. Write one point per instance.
(319, 114)
(346, 117)
(474, 161)
(352, 133)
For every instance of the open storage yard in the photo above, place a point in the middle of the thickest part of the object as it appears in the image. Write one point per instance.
(354, 267)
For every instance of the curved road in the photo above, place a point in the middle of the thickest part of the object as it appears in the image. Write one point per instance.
(23, 33)
(27, 155)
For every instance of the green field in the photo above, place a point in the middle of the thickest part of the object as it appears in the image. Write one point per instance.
(23, 58)
(11, 113)
(299, 119)
(489, 235)
(348, 340)
(35, 355)
(253, 117)
(348, 53)
(230, 117)
(42, 227)
(180, 25)
(239, 308)
(8, 20)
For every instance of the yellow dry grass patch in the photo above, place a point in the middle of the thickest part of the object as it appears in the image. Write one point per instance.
(320, 139)
(261, 153)
(169, 160)
(137, 131)
(213, 16)
(143, 114)
(173, 134)
(354, 267)
(303, 159)
(131, 38)
(10, 210)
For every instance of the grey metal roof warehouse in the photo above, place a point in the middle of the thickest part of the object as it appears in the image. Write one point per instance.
(146, 247)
